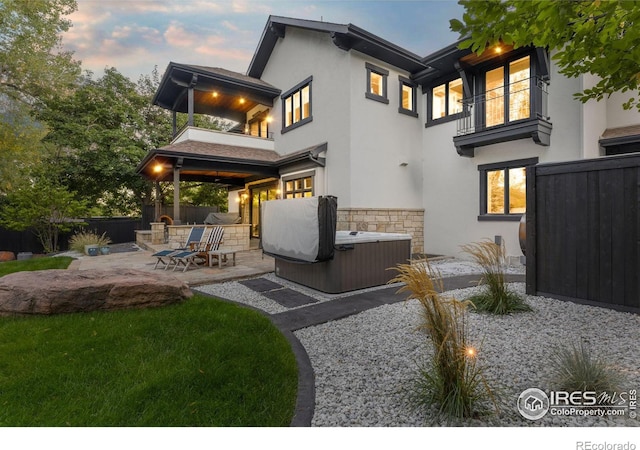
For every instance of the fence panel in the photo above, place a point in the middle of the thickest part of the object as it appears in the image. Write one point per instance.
(119, 230)
(583, 231)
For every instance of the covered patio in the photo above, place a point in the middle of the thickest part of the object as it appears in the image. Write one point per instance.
(239, 159)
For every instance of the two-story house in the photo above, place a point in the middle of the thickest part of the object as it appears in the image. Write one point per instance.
(433, 146)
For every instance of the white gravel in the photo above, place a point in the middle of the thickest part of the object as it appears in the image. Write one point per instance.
(365, 365)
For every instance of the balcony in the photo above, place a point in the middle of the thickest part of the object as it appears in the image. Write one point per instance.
(233, 138)
(516, 111)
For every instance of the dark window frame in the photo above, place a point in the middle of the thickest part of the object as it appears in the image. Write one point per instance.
(480, 85)
(298, 176)
(448, 117)
(289, 94)
(484, 169)
(402, 82)
(385, 75)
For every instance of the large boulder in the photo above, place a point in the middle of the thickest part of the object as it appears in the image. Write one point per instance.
(65, 291)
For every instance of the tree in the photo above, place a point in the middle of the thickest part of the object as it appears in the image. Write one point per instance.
(101, 132)
(32, 69)
(598, 37)
(46, 207)
(32, 65)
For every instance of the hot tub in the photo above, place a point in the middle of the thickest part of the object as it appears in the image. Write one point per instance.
(360, 260)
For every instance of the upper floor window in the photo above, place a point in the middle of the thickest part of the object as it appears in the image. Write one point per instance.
(503, 189)
(446, 99)
(407, 97)
(376, 83)
(508, 93)
(297, 105)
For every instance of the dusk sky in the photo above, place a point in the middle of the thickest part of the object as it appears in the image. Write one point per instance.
(135, 35)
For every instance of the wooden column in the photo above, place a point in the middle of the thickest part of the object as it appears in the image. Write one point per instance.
(176, 191)
(190, 106)
(157, 203)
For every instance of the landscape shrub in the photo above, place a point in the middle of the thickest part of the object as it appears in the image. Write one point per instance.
(496, 297)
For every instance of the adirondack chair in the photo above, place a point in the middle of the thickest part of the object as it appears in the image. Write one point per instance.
(200, 253)
(196, 234)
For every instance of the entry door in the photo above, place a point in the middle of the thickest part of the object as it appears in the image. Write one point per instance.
(258, 196)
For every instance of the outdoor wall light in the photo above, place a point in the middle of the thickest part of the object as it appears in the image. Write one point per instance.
(214, 94)
(242, 100)
(470, 352)
(269, 119)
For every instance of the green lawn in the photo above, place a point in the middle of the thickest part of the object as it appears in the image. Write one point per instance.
(200, 363)
(47, 262)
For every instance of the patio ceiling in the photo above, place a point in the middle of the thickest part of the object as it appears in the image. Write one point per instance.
(216, 92)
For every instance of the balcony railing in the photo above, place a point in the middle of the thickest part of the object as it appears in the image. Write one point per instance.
(520, 100)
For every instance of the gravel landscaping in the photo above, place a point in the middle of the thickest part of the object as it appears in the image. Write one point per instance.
(365, 365)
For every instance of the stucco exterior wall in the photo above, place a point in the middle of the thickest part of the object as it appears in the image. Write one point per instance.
(452, 183)
(299, 55)
(385, 144)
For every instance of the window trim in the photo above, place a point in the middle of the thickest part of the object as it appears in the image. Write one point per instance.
(505, 165)
(402, 82)
(297, 88)
(299, 176)
(505, 64)
(448, 117)
(384, 74)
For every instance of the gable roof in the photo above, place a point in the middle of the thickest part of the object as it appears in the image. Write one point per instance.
(346, 37)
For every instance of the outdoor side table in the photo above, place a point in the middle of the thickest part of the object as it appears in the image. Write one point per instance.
(220, 254)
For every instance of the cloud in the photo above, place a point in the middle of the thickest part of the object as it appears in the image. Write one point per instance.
(176, 36)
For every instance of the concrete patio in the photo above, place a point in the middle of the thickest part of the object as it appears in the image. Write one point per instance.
(249, 263)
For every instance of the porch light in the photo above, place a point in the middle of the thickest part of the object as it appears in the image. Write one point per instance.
(214, 94)
(242, 100)
(269, 119)
(157, 168)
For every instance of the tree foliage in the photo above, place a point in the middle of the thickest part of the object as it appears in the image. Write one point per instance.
(32, 65)
(44, 206)
(102, 131)
(600, 37)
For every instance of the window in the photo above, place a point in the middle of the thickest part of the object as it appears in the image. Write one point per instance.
(407, 97)
(297, 106)
(259, 125)
(503, 188)
(446, 99)
(516, 75)
(376, 83)
(298, 186)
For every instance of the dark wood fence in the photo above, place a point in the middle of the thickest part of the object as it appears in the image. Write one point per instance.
(583, 231)
(118, 229)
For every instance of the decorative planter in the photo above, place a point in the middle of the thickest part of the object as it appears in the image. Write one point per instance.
(24, 255)
(105, 250)
(92, 250)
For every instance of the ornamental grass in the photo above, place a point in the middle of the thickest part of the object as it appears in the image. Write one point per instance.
(577, 368)
(451, 380)
(86, 237)
(496, 297)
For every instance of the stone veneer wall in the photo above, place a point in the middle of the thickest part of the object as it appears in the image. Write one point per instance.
(236, 237)
(409, 221)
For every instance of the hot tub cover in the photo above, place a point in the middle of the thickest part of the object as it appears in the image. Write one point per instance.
(302, 229)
